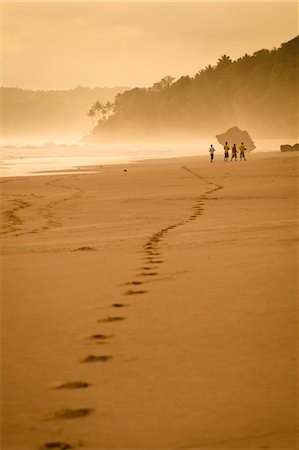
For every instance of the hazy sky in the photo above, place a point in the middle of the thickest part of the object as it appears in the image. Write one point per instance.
(60, 45)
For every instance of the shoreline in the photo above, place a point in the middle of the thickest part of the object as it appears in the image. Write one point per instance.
(169, 291)
(95, 168)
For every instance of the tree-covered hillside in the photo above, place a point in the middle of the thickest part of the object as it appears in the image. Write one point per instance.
(257, 92)
(49, 115)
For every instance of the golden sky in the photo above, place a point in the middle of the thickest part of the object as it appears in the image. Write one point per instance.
(47, 45)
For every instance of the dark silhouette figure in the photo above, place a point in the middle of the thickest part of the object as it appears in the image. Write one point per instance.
(226, 154)
(242, 149)
(234, 153)
(212, 151)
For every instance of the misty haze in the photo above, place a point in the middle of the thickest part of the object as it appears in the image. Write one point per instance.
(149, 226)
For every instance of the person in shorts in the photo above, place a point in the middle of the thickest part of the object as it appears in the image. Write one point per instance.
(242, 149)
(234, 152)
(226, 154)
(212, 151)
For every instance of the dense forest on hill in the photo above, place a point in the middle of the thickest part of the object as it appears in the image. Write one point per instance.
(257, 92)
(49, 115)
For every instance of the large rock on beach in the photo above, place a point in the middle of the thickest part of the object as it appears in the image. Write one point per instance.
(235, 136)
(289, 148)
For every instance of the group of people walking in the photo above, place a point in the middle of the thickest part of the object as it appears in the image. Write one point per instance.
(234, 154)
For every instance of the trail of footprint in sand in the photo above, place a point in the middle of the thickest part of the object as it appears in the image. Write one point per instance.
(12, 223)
(11, 219)
(47, 211)
(152, 247)
(69, 413)
(11, 214)
(152, 251)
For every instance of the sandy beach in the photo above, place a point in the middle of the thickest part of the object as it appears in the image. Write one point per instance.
(151, 306)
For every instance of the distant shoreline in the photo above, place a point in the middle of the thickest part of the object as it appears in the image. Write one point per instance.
(98, 167)
(50, 157)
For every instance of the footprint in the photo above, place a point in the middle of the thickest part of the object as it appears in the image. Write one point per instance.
(154, 261)
(72, 413)
(135, 282)
(146, 274)
(118, 305)
(73, 385)
(56, 446)
(99, 358)
(130, 292)
(111, 319)
(101, 337)
(83, 249)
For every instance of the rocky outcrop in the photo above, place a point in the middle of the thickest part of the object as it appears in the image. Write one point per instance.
(235, 136)
(289, 148)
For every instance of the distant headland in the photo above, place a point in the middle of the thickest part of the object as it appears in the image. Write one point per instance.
(257, 92)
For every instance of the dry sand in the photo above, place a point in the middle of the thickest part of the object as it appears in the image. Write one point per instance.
(165, 295)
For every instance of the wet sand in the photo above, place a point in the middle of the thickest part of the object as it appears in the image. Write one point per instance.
(152, 308)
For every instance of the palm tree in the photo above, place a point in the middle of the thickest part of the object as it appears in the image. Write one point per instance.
(109, 108)
(224, 62)
(98, 108)
(103, 111)
(91, 113)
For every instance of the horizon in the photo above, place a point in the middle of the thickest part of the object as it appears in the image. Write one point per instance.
(137, 43)
(68, 89)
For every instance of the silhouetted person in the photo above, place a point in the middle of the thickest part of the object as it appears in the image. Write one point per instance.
(234, 152)
(242, 149)
(226, 154)
(212, 151)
